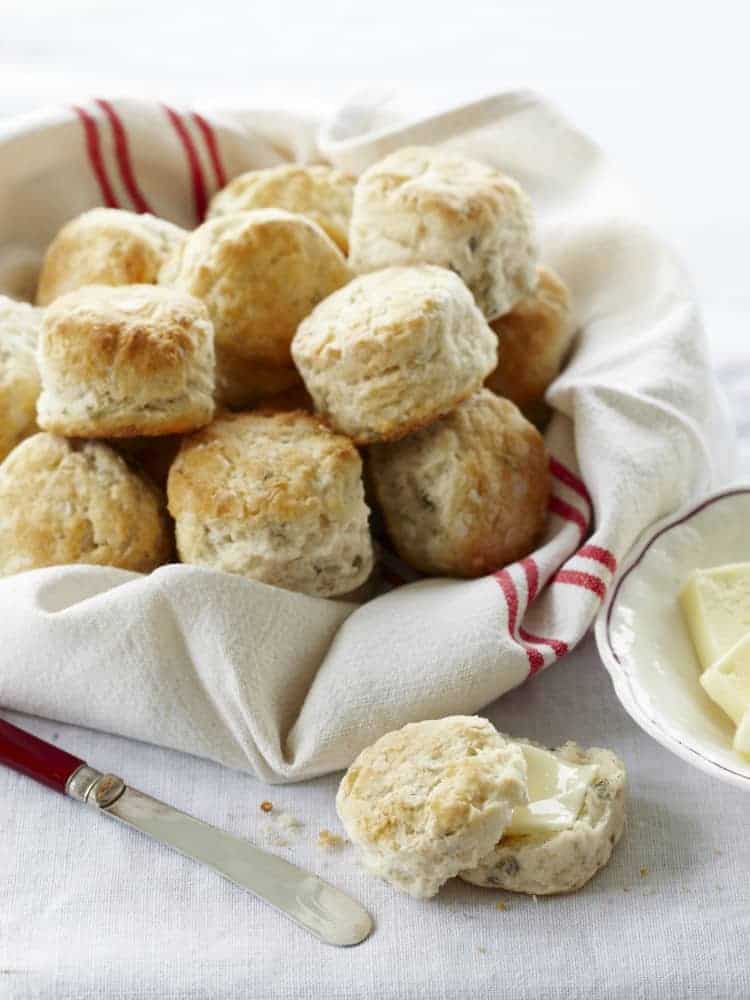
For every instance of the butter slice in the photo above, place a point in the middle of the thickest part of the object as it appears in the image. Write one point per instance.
(716, 608)
(556, 791)
(727, 681)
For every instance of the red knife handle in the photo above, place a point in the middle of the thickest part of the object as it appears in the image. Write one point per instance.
(36, 758)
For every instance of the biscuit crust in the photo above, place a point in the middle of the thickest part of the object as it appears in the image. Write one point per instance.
(323, 194)
(275, 497)
(466, 495)
(106, 246)
(421, 799)
(423, 205)
(544, 864)
(123, 362)
(533, 339)
(20, 324)
(259, 274)
(393, 351)
(64, 501)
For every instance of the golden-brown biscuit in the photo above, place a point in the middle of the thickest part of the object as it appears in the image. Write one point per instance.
(467, 495)
(432, 206)
(324, 194)
(20, 324)
(422, 799)
(533, 339)
(275, 497)
(106, 246)
(393, 351)
(124, 362)
(259, 274)
(65, 501)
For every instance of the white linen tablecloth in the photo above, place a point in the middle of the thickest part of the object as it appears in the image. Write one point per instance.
(90, 909)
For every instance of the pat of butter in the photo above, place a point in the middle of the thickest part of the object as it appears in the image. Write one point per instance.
(727, 681)
(556, 793)
(716, 607)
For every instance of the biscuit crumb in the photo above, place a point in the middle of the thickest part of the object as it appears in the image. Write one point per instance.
(502, 906)
(266, 806)
(330, 841)
(644, 871)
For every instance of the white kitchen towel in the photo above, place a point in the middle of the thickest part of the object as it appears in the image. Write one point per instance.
(289, 686)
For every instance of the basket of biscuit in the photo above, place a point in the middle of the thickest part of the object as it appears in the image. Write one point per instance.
(309, 439)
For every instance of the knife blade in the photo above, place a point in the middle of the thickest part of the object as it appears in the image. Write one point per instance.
(328, 913)
(323, 910)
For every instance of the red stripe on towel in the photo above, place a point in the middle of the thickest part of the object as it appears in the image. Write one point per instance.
(508, 587)
(564, 475)
(568, 512)
(200, 200)
(122, 152)
(531, 570)
(209, 137)
(578, 579)
(600, 555)
(94, 151)
(560, 648)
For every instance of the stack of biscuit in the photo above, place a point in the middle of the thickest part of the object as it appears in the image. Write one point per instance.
(235, 377)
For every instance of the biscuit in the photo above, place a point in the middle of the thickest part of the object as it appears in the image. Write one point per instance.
(430, 206)
(321, 193)
(123, 362)
(106, 246)
(534, 338)
(562, 861)
(65, 501)
(467, 495)
(423, 799)
(393, 351)
(275, 497)
(259, 274)
(20, 324)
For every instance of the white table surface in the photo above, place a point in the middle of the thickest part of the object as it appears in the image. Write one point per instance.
(664, 88)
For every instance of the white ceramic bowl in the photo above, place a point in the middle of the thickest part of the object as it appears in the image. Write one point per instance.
(646, 647)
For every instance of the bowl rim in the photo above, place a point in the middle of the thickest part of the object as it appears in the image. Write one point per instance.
(625, 687)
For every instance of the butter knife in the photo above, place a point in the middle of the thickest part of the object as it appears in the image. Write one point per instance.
(325, 911)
